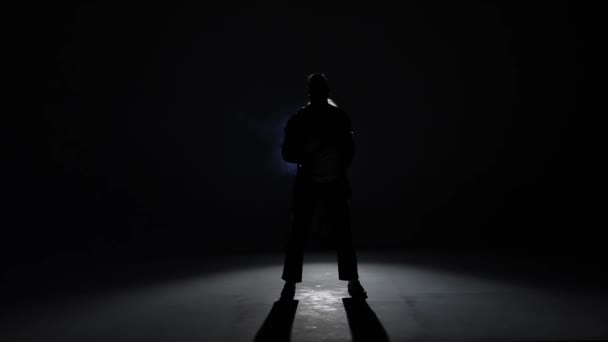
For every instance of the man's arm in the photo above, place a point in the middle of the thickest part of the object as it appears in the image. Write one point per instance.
(292, 146)
(349, 143)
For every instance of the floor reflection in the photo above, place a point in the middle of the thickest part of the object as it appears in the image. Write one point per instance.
(322, 298)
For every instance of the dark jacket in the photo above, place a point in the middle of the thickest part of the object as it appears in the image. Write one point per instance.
(319, 139)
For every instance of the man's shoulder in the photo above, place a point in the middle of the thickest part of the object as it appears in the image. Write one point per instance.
(297, 116)
(311, 112)
(339, 114)
(339, 111)
(324, 108)
(302, 113)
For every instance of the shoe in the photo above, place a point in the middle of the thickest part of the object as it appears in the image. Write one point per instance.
(289, 291)
(355, 290)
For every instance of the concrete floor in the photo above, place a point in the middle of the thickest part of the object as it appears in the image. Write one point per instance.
(408, 300)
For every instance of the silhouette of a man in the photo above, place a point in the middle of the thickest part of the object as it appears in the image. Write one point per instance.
(319, 140)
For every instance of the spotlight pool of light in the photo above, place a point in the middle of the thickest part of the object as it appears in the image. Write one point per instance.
(410, 301)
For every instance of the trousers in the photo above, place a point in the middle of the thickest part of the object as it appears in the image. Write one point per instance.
(337, 208)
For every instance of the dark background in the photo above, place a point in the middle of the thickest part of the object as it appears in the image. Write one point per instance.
(157, 129)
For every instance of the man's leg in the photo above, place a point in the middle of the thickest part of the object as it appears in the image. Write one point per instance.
(347, 258)
(340, 221)
(294, 255)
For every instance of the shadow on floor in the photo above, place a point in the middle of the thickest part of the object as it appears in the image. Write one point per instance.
(277, 326)
(363, 322)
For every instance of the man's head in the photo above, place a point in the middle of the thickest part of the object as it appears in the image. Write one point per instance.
(318, 90)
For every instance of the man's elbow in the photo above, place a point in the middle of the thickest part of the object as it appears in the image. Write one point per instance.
(289, 157)
(290, 160)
